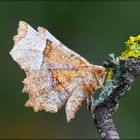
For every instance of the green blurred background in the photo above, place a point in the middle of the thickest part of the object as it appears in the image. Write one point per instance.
(92, 29)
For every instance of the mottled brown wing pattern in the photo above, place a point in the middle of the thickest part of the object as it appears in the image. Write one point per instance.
(59, 59)
(55, 74)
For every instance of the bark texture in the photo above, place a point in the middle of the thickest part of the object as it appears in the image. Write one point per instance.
(126, 72)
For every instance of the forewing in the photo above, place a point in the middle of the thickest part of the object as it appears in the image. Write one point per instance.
(58, 55)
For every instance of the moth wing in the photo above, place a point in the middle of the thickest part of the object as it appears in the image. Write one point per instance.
(51, 69)
(75, 101)
(58, 55)
(28, 52)
(49, 90)
(45, 91)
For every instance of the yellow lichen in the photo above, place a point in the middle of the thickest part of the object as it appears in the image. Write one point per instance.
(132, 48)
(109, 75)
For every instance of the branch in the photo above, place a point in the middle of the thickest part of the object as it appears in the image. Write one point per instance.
(125, 73)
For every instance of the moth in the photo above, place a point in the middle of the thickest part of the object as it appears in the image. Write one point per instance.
(55, 74)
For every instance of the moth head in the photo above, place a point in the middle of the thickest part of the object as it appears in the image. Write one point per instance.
(99, 70)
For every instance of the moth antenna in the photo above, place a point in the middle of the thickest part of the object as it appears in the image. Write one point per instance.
(90, 104)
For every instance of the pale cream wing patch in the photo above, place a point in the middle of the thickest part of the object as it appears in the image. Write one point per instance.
(28, 47)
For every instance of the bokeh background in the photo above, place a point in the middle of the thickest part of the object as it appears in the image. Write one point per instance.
(92, 29)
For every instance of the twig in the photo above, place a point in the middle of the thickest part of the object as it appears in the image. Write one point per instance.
(125, 73)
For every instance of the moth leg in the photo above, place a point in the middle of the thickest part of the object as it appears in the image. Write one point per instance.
(90, 104)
